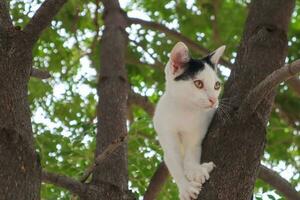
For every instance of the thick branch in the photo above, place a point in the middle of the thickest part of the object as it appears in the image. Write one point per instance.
(40, 74)
(65, 182)
(42, 18)
(107, 152)
(278, 183)
(175, 35)
(157, 182)
(268, 84)
(5, 20)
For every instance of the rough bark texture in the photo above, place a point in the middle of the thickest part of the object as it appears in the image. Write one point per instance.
(20, 170)
(110, 178)
(236, 146)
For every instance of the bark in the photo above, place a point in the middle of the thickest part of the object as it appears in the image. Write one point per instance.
(20, 167)
(110, 178)
(20, 170)
(5, 20)
(236, 145)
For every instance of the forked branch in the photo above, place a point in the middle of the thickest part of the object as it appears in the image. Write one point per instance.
(255, 96)
(65, 182)
(107, 152)
(42, 19)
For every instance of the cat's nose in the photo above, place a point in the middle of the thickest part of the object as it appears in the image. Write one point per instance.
(212, 100)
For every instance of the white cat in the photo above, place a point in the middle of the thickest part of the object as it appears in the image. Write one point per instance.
(183, 115)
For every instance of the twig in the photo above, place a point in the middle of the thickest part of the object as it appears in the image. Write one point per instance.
(42, 19)
(268, 84)
(5, 20)
(65, 182)
(107, 152)
(278, 183)
(40, 74)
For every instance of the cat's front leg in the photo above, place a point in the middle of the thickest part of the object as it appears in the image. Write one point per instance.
(194, 171)
(172, 156)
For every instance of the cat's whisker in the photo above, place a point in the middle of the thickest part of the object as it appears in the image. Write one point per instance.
(222, 115)
(227, 107)
(225, 113)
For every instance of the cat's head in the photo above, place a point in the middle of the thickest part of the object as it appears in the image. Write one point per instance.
(193, 81)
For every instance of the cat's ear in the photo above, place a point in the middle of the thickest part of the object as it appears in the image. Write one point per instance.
(179, 56)
(217, 54)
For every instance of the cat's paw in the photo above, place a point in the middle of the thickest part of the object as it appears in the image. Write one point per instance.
(199, 173)
(189, 190)
(209, 166)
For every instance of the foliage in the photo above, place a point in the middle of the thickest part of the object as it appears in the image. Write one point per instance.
(64, 106)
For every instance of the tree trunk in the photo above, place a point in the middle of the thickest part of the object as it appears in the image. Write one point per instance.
(111, 177)
(20, 171)
(237, 145)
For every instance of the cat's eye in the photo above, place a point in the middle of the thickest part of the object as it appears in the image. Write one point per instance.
(199, 84)
(217, 85)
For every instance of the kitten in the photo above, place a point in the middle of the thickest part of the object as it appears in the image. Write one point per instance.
(183, 114)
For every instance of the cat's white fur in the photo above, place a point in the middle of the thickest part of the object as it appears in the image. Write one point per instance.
(181, 120)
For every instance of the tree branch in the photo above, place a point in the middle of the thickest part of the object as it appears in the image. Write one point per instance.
(65, 182)
(107, 152)
(177, 36)
(5, 20)
(277, 182)
(268, 84)
(142, 101)
(294, 83)
(40, 74)
(157, 182)
(42, 19)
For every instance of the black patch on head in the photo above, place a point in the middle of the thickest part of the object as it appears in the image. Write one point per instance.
(207, 60)
(193, 67)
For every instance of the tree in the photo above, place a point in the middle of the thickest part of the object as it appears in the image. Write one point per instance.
(63, 126)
